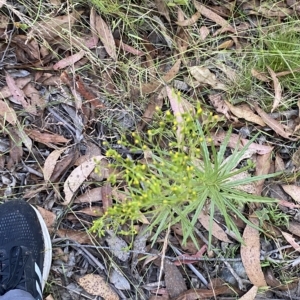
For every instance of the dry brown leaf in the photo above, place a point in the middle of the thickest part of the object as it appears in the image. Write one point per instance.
(279, 163)
(277, 89)
(163, 9)
(7, 113)
(92, 211)
(272, 11)
(204, 76)
(189, 259)
(216, 230)
(106, 37)
(69, 61)
(50, 163)
(148, 88)
(93, 195)
(65, 162)
(182, 41)
(219, 104)
(236, 141)
(33, 94)
(204, 32)
(18, 94)
(78, 176)
(117, 246)
(49, 297)
(19, 82)
(153, 102)
(179, 106)
(16, 151)
(163, 297)
(244, 111)
(93, 25)
(263, 165)
(119, 280)
(291, 240)
(225, 45)
(293, 190)
(206, 12)
(25, 139)
(53, 27)
(49, 218)
(195, 294)
(250, 254)
(95, 285)
(275, 125)
(294, 228)
(174, 280)
(251, 294)
(284, 73)
(288, 204)
(191, 21)
(249, 188)
(128, 48)
(259, 75)
(296, 158)
(106, 194)
(46, 138)
(74, 235)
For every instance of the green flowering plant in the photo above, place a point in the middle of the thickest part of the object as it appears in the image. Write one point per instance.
(174, 184)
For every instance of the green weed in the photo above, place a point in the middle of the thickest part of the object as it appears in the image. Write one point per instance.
(177, 182)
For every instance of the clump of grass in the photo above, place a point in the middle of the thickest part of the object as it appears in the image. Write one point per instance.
(176, 184)
(280, 50)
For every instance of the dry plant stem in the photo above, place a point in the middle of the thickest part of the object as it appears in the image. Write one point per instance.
(74, 291)
(151, 254)
(287, 113)
(59, 118)
(234, 274)
(32, 171)
(163, 251)
(90, 257)
(192, 268)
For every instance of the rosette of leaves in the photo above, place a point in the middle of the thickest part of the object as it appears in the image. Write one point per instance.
(174, 185)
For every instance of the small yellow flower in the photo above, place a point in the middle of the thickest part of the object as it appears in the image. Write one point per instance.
(168, 113)
(157, 108)
(199, 111)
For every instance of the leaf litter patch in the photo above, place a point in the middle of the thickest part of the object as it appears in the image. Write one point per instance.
(76, 85)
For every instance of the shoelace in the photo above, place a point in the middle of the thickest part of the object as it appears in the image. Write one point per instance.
(12, 269)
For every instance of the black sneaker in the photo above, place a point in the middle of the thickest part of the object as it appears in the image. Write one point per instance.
(25, 249)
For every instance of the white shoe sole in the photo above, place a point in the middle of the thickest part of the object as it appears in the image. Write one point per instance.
(48, 248)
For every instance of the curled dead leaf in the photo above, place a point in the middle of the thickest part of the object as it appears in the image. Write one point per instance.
(244, 111)
(250, 295)
(78, 176)
(293, 190)
(106, 37)
(216, 230)
(205, 76)
(250, 254)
